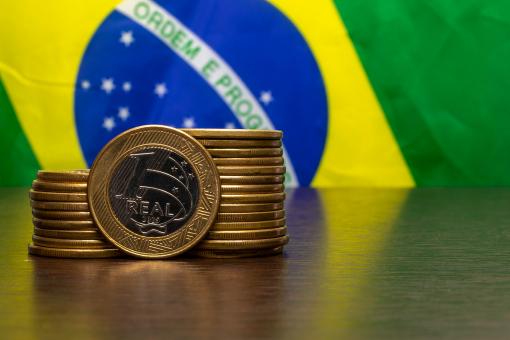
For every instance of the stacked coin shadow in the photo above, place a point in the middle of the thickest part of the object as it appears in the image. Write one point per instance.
(250, 220)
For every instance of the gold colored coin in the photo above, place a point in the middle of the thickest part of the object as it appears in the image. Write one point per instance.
(249, 161)
(72, 244)
(62, 215)
(244, 208)
(239, 144)
(240, 180)
(64, 225)
(249, 225)
(243, 244)
(154, 191)
(85, 234)
(73, 253)
(58, 196)
(245, 153)
(253, 198)
(254, 188)
(62, 206)
(233, 133)
(250, 217)
(59, 186)
(251, 170)
(225, 254)
(246, 234)
(64, 175)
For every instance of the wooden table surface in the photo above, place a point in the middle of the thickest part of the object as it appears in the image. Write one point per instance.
(362, 263)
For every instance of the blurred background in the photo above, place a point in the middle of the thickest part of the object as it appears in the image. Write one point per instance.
(385, 93)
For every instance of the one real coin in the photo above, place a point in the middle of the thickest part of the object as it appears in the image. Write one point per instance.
(154, 191)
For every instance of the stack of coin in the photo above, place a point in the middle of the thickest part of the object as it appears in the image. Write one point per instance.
(250, 219)
(251, 216)
(62, 223)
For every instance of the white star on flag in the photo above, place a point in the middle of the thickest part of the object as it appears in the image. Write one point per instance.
(123, 113)
(126, 86)
(188, 122)
(109, 123)
(85, 84)
(126, 38)
(230, 125)
(266, 97)
(107, 85)
(160, 90)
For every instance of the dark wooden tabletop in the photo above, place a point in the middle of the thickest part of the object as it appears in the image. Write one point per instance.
(362, 263)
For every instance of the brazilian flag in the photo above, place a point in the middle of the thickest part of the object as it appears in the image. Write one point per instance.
(389, 93)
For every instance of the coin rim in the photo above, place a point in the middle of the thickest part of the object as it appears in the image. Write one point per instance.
(233, 133)
(37, 195)
(243, 244)
(61, 215)
(226, 254)
(74, 253)
(59, 206)
(59, 187)
(247, 234)
(76, 175)
(216, 189)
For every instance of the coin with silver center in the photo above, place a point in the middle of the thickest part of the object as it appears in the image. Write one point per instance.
(154, 191)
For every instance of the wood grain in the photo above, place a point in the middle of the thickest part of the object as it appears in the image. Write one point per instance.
(361, 263)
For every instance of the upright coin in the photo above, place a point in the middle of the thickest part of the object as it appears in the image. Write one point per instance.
(154, 191)
(63, 176)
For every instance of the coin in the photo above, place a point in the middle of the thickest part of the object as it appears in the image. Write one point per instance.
(243, 244)
(63, 224)
(73, 244)
(65, 206)
(61, 215)
(154, 191)
(233, 153)
(58, 196)
(59, 186)
(73, 253)
(248, 225)
(251, 170)
(243, 208)
(64, 176)
(249, 161)
(246, 234)
(234, 133)
(250, 217)
(237, 143)
(253, 198)
(85, 234)
(254, 188)
(276, 179)
(225, 254)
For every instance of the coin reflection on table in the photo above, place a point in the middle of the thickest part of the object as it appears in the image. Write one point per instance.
(206, 295)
